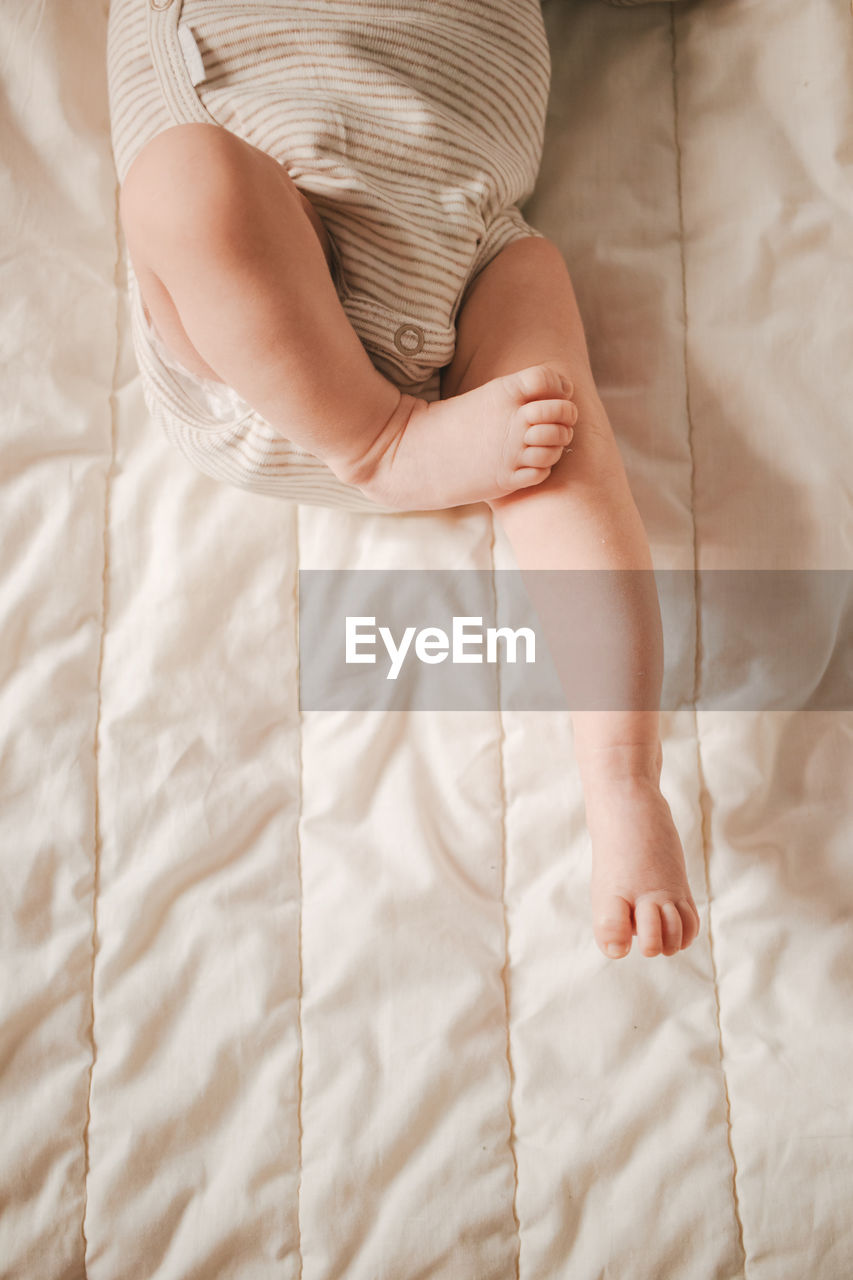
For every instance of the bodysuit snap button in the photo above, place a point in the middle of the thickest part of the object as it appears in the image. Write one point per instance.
(409, 339)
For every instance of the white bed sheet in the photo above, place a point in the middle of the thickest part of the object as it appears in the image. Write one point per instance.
(317, 995)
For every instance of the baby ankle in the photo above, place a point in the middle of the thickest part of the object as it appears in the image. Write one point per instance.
(371, 468)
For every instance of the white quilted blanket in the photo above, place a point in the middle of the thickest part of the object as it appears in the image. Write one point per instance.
(317, 996)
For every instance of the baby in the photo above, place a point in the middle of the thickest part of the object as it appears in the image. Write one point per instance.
(344, 251)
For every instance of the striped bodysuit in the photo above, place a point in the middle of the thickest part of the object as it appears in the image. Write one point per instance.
(415, 130)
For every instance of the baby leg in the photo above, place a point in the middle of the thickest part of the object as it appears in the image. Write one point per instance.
(224, 249)
(583, 517)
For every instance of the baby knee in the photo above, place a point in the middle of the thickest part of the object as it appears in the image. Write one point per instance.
(186, 186)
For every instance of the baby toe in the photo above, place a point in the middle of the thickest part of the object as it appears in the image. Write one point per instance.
(671, 928)
(689, 921)
(538, 457)
(540, 380)
(551, 434)
(560, 412)
(649, 927)
(527, 477)
(612, 928)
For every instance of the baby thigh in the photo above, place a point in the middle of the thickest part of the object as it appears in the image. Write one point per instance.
(244, 273)
(159, 180)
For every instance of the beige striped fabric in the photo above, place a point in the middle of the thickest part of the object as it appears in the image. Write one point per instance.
(415, 130)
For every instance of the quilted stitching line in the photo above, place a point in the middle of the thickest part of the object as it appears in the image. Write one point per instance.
(704, 795)
(299, 1083)
(505, 970)
(96, 817)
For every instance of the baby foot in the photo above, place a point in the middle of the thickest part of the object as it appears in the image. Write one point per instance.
(483, 444)
(639, 880)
